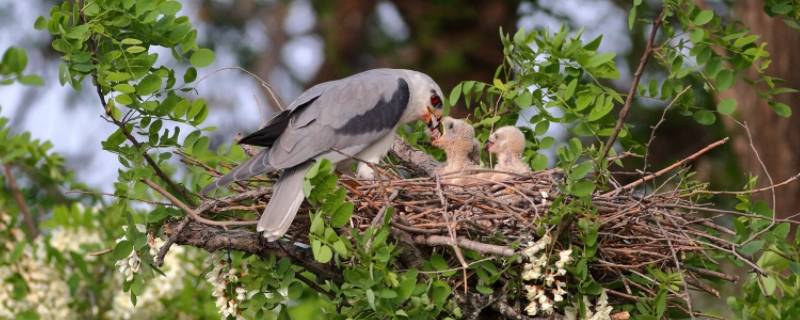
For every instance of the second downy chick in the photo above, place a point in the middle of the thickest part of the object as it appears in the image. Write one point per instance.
(458, 142)
(507, 143)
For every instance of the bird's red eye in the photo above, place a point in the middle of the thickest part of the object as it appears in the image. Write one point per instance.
(436, 102)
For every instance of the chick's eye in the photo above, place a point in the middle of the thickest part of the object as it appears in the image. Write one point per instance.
(449, 126)
(436, 102)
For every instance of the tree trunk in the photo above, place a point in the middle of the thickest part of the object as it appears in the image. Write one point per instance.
(776, 139)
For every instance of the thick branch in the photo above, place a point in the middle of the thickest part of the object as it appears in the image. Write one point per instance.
(212, 238)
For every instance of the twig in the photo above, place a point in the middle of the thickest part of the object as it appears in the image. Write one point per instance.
(106, 194)
(192, 213)
(688, 297)
(27, 217)
(751, 191)
(452, 232)
(668, 169)
(162, 252)
(485, 248)
(637, 76)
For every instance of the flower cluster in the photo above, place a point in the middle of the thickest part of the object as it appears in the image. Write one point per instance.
(227, 289)
(547, 289)
(129, 266)
(602, 311)
(149, 304)
(46, 292)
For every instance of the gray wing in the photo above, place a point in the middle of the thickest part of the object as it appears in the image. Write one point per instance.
(351, 114)
(266, 137)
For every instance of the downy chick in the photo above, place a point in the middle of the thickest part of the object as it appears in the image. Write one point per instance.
(507, 143)
(458, 142)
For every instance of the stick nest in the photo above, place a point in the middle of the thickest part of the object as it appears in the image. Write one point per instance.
(636, 232)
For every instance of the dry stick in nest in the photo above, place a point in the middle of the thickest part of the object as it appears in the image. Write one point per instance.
(452, 232)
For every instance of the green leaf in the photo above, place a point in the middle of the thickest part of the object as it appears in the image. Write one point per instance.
(40, 23)
(697, 35)
(781, 109)
(583, 101)
(703, 17)
(752, 247)
(31, 80)
(202, 57)
(599, 59)
(371, 298)
(125, 88)
(539, 162)
(124, 99)
(122, 250)
(743, 41)
(570, 89)
(190, 75)
(324, 255)
(724, 79)
(135, 49)
(16, 59)
(601, 108)
(770, 284)
(454, 95)
(582, 188)
(342, 215)
(727, 106)
(631, 18)
(440, 290)
(149, 84)
(580, 171)
(131, 41)
(705, 117)
(117, 76)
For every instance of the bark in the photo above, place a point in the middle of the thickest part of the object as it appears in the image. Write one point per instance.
(777, 139)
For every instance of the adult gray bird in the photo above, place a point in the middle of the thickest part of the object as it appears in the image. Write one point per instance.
(351, 117)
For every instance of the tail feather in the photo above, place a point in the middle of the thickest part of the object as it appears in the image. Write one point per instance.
(258, 164)
(287, 196)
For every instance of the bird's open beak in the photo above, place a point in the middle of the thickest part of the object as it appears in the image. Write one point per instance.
(433, 120)
(488, 144)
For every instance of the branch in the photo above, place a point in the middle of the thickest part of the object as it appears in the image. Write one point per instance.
(668, 169)
(160, 173)
(191, 212)
(637, 76)
(212, 238)
(27, 217)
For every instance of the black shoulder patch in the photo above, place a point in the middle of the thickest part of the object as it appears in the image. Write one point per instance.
(266, 136)
(384, 115)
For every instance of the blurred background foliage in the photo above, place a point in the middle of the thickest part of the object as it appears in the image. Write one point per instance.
(293, 44)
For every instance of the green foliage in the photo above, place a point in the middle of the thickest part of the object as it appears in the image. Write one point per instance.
(12, 66)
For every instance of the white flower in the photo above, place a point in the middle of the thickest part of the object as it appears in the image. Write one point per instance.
(532, 309)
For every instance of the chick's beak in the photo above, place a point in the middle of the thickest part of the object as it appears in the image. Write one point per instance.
(488, 144)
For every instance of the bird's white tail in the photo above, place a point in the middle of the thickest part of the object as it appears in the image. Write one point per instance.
(287, 196)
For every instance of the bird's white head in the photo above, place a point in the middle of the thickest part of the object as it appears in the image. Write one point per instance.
(425, 99)
(508, 139)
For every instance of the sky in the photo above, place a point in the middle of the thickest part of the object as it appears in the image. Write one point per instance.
(71, 120)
